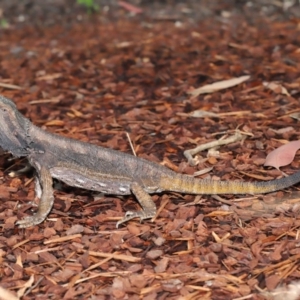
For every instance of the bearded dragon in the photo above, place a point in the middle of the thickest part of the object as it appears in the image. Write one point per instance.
(95, 168)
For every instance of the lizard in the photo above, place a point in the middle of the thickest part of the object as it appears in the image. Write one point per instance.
(88, 166)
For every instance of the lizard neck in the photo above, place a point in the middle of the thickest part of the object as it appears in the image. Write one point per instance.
(42, 141)
(41, 137)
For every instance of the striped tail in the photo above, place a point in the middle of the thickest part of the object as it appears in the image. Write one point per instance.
(190, 185)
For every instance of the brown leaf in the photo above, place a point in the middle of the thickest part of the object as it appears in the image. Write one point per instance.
(55, 123)
(130, 7)
(276, 88)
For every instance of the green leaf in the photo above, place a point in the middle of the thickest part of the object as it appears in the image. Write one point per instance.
(4, 23)
(89, 4)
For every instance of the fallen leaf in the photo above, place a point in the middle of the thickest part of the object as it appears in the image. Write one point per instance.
(283, 130)
(295, 115)
(49, 76)
(6, 294)
(10, 86)
(55, 123)
(220, 85)
(283, 155)
(50, 100)
(203, 114)
(276, 88)
(28, 284)
(130, 7)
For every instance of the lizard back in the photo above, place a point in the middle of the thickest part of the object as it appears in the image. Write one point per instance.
(93, 167)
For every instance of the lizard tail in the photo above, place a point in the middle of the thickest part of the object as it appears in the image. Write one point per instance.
(190, 185)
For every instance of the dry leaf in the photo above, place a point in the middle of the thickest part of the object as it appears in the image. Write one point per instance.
(283, 130)
(276, 88)
(7, 295)
(203, 114)
(10, 86)
(283, 155)
(295, 115)
(28, 284)
(55, 123)
(49, 76)
(220, 85)
(132, 8)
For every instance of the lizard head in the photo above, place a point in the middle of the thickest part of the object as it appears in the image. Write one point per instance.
(13, 128)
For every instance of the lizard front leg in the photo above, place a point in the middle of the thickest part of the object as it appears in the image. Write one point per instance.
(44, 190)
(145, 200)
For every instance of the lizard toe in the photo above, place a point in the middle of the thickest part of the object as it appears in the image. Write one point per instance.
(129, 215)
(29, 221)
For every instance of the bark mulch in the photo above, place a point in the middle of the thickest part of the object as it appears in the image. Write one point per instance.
(115, 81)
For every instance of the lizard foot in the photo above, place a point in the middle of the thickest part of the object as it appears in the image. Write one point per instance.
(26, 169)
(30, 221)
(136, 214)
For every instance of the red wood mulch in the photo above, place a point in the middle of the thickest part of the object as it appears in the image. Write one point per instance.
(99, 79)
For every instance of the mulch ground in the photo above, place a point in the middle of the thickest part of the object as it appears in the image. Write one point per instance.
(113, 80)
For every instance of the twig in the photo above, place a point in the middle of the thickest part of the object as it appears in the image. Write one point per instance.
(189, 153)
(130, 143)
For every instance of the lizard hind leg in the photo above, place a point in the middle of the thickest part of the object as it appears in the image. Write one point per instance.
(44, 191)
(148, 206)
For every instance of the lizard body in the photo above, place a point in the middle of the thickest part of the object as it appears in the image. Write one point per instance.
(92, 167)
